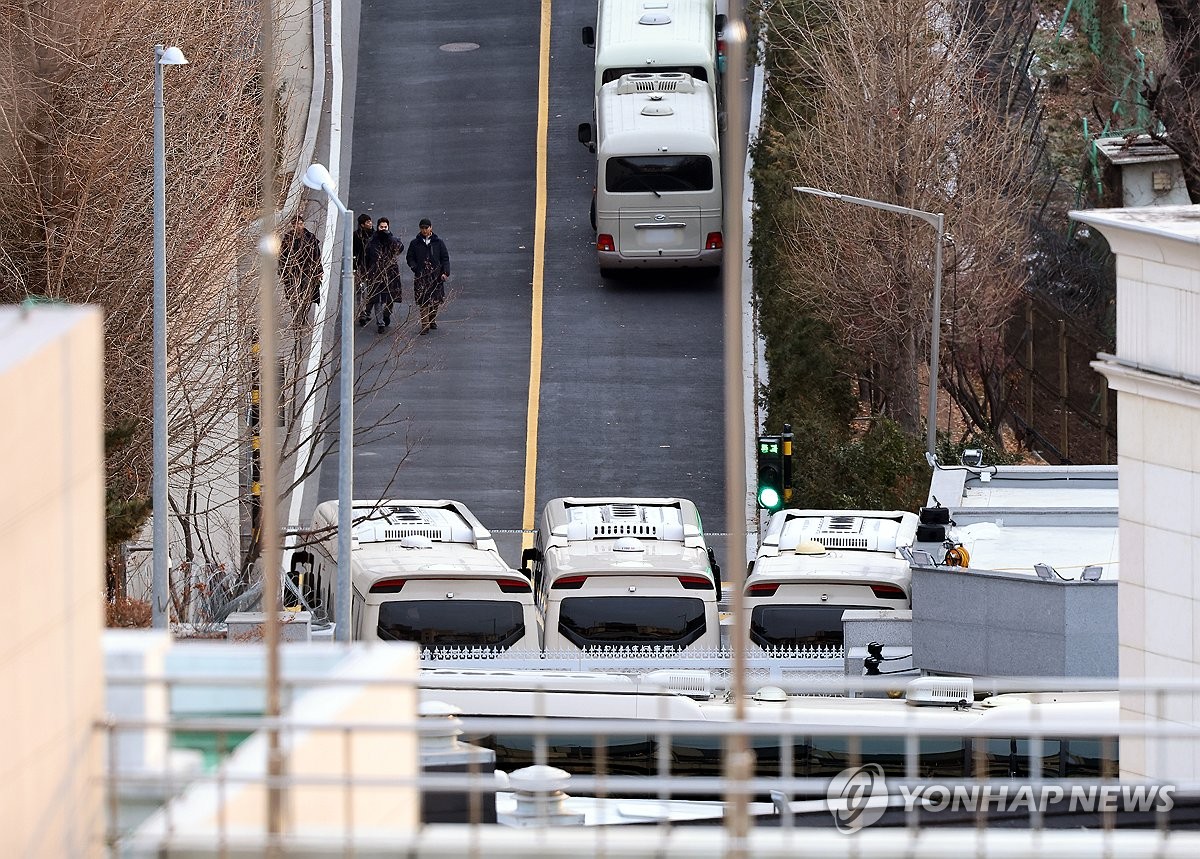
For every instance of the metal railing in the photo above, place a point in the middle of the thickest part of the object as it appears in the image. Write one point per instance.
(353, 783)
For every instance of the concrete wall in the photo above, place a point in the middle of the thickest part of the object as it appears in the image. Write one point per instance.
(1012, 624)
(52, 542)
(338, 781)
(1156, 373)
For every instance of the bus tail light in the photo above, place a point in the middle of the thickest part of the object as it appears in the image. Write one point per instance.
(888, 592)
(714, 242)
(766, 589)
(604, 242)
(514, 586)
(695, 583)
(387, 586)
(570, 582)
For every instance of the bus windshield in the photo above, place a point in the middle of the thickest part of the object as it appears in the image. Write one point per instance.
(658, 173)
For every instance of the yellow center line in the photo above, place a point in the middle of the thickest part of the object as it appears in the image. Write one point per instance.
(539, 248)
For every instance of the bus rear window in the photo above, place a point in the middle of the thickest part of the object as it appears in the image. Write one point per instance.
(793, 626)
(673, 622)
(634, 173)
(452, 623)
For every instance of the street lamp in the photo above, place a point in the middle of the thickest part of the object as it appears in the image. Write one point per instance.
(937, 221)
(160, 589)
(318, 178)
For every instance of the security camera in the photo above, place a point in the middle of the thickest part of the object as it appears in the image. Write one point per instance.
(972, 457)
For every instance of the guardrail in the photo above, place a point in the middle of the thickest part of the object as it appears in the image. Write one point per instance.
(354, 782)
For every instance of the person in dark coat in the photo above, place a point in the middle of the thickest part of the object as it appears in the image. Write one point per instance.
(362, 235)
(430, 264)
(300, 267)
(381, 264)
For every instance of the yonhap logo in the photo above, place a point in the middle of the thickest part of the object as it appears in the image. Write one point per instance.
(857, 797)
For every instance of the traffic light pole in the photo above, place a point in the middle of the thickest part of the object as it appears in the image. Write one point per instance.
(787, 464)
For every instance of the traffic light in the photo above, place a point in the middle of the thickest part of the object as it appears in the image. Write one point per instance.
(770, 472)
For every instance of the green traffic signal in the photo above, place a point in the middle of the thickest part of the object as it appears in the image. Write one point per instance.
(770, 494)
(768, 497)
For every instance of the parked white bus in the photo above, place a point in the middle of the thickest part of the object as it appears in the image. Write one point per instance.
(812, 565)
(658, 173)
(614, 573)
(656, 36)
(423, 571)
(961, 733)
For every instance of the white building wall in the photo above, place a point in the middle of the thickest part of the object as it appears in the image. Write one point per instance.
(52, 542)
(1156, 373)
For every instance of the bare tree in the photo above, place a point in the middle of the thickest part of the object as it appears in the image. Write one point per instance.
(918, 104)
(1175, 98)
(76, 103)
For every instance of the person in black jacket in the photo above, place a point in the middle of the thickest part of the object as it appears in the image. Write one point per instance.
(430, 264)
(300, 268)
(362, 235)
(381, 264)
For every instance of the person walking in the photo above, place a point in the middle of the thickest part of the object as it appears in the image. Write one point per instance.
(430, 263)
(362, 235)
(300, 267)
(382, 267)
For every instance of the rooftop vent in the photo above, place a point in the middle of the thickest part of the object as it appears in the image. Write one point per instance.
(940, 691)
(841, 531)
(655, 82)
(692, 683)
(401, 523)
(613, 520)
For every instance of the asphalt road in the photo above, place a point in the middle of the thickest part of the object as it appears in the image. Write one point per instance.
(630, 401)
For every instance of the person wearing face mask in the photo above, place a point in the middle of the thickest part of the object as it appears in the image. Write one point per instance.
(430, 263)
(381, 263)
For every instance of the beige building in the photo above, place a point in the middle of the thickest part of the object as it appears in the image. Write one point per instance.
(1156, 373)
(52, 540)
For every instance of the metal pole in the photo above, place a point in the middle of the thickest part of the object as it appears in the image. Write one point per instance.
(345, 431)
(159, 594)
(739, 763)
(935, 331)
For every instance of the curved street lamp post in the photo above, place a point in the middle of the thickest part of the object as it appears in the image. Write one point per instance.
(937, 220)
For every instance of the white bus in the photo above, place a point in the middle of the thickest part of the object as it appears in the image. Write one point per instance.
(961, 734)
(423, 571)
(657, 202)
(656, 36)
(812, 565)
(616, 573)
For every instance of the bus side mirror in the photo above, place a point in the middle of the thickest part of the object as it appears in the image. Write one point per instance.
(584, 133)
(528, 558)
(720, 23)
(749, 568)
(589, 36)
(716, 568)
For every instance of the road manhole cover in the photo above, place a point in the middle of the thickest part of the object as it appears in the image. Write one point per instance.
(459, 47)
